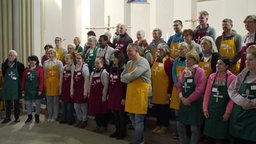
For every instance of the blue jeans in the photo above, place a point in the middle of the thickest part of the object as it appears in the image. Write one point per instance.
(195, 133)
(138, 124)
(52, 106)
(68, 111)
(81, 111)
(29, 106)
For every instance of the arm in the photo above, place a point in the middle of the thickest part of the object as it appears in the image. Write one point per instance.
(169, 41)
(179, 83)
(174, 74)
(3, 68)
(208, 91)
(60, 68)
(20, 69)
(72, 81)
(86, 76)
(149, 57)
(218, 41)
(23, 82)
(200, 82)
(61, 80)
(212, 33)
(168, 70)
(40, 73)
(105, 82)
(230, 104)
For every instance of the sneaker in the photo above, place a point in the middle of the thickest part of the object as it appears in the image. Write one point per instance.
(156, 129)
(163, 130)
(6, 120)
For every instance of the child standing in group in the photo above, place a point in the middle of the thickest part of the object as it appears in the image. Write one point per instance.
(79, 90)
(32, 87)
(65, 81)
(98, 95)
(117, 92)
(52, 74)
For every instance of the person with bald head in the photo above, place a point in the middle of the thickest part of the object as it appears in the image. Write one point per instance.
(123, 41)
(12, 71)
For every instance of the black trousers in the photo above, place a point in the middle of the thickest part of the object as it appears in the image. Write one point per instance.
(120, 122)
(101, 120)
(242, 141)
(8, 106)
(162, 114)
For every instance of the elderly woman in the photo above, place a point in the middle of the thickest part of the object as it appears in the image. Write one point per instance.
(140, 36)
(12, 71)
(52, 75)
(217, 105)
(188, 36)
(178, 66)
(78, 47)
(146, 51)
(157, 34)
(191, 87)
(249, 39)
(209, 55)
(71, 50)
(91, 53)
(242, 91)
(162, 87)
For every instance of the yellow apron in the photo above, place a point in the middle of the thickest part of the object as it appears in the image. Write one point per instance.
(59, 53)
(193, 50)
(136, 96)
(228, 49)
(206, 66)
(52, 80)
(174, 48)
(153, 52)
(159, 83)
(175, 99)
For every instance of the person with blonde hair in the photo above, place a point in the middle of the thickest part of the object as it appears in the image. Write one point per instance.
(78, 47)
(209, 55)
(52, 75)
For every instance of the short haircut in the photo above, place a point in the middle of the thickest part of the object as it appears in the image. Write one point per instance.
(141, 32)
(184, 45)
(108, 34)
(58, 38)
(104, 37)
(91, 33)
(78, 39)
(205, 13)
(178, 21)
(227, 20)
(225, 60)
(93, 38)
(48, 46)
(71, 44)
(194, 56)
(189, 32)
(34, 58)
(165, 48)
(14, 52)
(159, 31)
(250, 17)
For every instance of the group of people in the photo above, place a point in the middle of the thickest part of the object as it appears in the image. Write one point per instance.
(210, 84)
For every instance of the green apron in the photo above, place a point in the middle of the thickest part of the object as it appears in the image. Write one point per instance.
(31, 85)
(12, 84)
(192, 114)
(243, 122)
(90, 58)
(215, 127)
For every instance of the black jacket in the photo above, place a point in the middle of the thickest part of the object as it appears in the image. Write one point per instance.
(20, 67)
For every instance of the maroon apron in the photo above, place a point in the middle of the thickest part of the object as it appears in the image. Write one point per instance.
(120, 46)
(96, 106)
(79, 87)
(65, 88)
(198, 35)
(116, 90)
(243, 52)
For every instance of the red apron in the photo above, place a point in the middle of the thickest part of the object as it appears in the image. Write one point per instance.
(116, 90)
(243, 52)
(65, 88)
(199, 35)
(96, 106)
(79, 87)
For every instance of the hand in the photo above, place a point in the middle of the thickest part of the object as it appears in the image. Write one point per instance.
(185, 101)
(104, 98)
(206, 114)
(39, 93)
(123, 102)
(226, 116)
(85, 96)
(248, 105)
(72, 95)
(169, 96)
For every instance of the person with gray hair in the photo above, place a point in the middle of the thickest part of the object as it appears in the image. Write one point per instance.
(157, 39)
(108, 34)
(140, 36)
(162, 85)
(229, 44)
(249, 38)
(137, 75)
(91, 53)
(12, 71)
(203, 29)
(209, 55)
(71, 50)
(123, 41)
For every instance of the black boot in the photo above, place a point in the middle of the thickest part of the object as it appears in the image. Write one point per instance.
(29, 119)
(37, 118)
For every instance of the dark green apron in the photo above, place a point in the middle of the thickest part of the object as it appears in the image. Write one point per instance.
(243, 122)
(32, 85)
(215, 127)
(90, 58)
(12, 84)
(192, 114)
